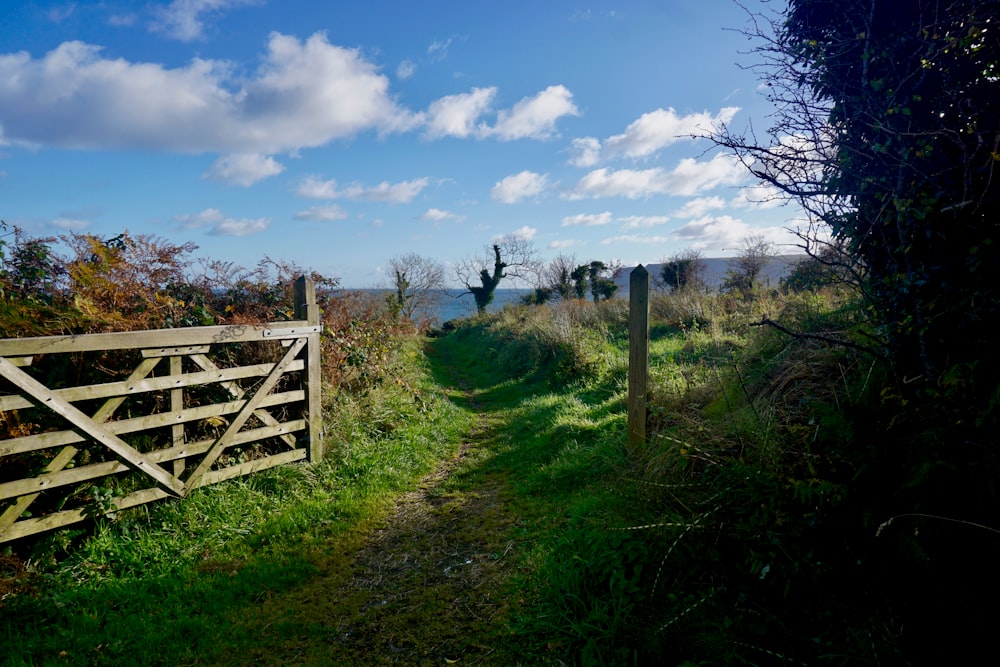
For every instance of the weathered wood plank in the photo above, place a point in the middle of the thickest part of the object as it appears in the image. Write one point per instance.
(162, 338)
(638, 354)
(237, 391)
(138, 386)
(64, 457)
(27, 527)
(95, 430)
(176, 351)
(12, 513)
(176, 405)
(307, 309)
(255, 402)
(55, 476)
(30, 443)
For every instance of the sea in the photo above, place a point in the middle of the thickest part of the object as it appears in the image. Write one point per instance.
(453, 304)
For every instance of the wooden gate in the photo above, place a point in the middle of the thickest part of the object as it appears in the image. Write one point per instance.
(199, 421)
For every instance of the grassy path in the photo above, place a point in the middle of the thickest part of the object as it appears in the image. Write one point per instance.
(427, 583)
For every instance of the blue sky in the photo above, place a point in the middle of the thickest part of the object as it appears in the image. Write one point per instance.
(339, 134)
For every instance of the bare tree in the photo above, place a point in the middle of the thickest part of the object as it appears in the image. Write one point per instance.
(416, 282)
(509, 257)
(746, 269)
(558, 276)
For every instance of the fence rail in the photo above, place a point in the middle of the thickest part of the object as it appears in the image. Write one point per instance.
(183, 412)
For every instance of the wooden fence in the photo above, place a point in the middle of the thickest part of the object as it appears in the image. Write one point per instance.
(178, 421)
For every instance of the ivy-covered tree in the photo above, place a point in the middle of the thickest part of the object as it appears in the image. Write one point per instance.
(415, 281)
(888, 132)
(510, 256)
(601, 286)
(683, 270)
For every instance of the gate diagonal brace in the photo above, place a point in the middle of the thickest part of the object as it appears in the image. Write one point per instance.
(67, 453)
(248, 409)
(133, 459)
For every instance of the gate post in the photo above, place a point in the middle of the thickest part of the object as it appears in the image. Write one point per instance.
(638, 354)
(306, 309)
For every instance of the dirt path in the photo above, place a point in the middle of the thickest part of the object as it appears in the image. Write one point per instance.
(421, 587)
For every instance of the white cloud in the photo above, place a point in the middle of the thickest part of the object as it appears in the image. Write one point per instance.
(329, 213)
(525, 233)
(635, 238)
(687, 179)
(182, 19)
(534, 117)
(562, 245)
(242, 227)
(456, 115)
(586, 152)
(644, 221)
(406, 69)
(220, 225)
(244, 169)
(438, 51)
(699, 207)
(587, 219)
(303, 94)
(70, 224)
(393, 193)
(758, 196)
(519, 186)
(61, 13)
(715, 233)
(437, 215)
(648, 134)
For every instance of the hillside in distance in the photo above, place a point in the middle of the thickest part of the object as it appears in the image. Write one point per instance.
(715, 272)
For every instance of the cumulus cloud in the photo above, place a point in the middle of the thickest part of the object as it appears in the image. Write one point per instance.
(182, 19)
(758, 196)
(690, 177)
(586, 152)
(393, 193)
(218, 224)
(644, 221)
(587, 219)
(328, 213)
(437, 215)
(70, 224)
(244, 169)
(303, 94)
(696, 208)
(534, 117)
(648, 134)
(715, 232)
(519, 186)
(456, 115)
(525, 233)
(563, 244)
(635, 238)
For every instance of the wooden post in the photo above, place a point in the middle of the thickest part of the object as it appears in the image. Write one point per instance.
(306, 309)
(176, 405)
(638, 354)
